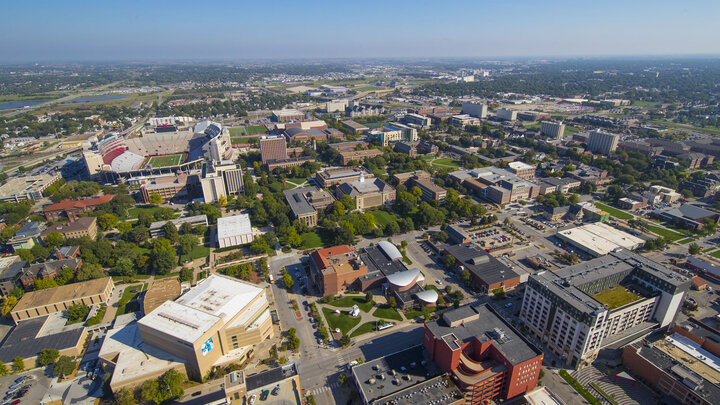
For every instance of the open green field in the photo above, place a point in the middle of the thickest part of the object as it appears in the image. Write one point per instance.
(638, 103)
(386, 312)
(164, 161)
(672, 236)
(348, 302)
(245, 131)
(413, 313)
(616, 297)
(343, 322)
(368, 88)
(367, 327)
(382, 218)
(197, 252)
(247, 139)
(569, 130)
(614, 211)
(446, 163)
(715, 254)
(311, 240)
(687, 127)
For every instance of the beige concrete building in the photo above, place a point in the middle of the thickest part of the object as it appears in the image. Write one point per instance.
(367, 193)
(40, 303)
(215, 323)
(234, 230)
(305, 203)
(602, 142)
(84, 226)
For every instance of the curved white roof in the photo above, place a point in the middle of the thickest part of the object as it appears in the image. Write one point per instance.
(390, 250)
(404, 278)
(430, 296)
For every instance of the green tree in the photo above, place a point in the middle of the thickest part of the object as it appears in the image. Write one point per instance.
(45, 283)
(48, 356)
(164, 261)
(694, 249)
(150, 391)
(171, 231)
(124, 397)
(25, 254)
(124, 266)
(77, 312)
(187, 242)
(186, 274)
(89, 271)
(64, 366)
(392, 302)
(288, 281)
(18, 364)
(124, 227)
(107, 221)
(3, 368)
(54, 240)
(186, 228)
(155, 198)
(171, 382)
(368, 297)
(8, 304)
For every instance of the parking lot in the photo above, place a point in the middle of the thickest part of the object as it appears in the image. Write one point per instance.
(28, 391)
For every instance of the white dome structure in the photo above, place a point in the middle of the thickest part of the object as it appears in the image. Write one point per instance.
(390, 250)
(428, 296)
(405, 278)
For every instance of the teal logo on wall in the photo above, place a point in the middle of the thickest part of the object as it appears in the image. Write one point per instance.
(207, 346)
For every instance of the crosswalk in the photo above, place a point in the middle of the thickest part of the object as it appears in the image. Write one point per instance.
(326, 388)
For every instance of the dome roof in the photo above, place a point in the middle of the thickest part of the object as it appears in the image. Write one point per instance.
(429, 296)
(390, 250)
(404, 278)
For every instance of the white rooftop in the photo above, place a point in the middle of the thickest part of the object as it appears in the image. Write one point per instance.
(600, 238)
(520, 166)
(233, 226)
(220, 296)
(217, 298)
(180, 321)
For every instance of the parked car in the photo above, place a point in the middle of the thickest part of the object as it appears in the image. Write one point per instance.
(252, 399)
(276, 390)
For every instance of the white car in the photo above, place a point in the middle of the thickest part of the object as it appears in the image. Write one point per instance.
(252, 399)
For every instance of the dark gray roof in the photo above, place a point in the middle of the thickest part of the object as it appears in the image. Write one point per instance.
(374, 378)
(13, 270)
(32, 228)
(688, 211)
(485, 267)
(555, 181)
(272, 376)
(297, 201)
(488, 326)
(377, 260)
(23, 341)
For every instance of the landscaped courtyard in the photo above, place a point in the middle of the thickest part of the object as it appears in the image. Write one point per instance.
(616, 297)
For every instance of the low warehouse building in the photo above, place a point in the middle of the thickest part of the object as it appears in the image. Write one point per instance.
(599, 239)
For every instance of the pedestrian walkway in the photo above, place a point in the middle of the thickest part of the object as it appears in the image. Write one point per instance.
(622, 391)
(327, 388)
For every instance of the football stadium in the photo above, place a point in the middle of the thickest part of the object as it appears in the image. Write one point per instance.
(118, 158)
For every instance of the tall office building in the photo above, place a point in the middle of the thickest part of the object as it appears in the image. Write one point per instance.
(477, 110)
(273, 148)
(506, 114)
(602, 142)
(220, 180)
(554, 130)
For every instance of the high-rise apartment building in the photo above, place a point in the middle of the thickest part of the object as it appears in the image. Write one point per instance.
(273, 148)
(602, 142)
(554, 130)
(578, 310)
(477, 110)
(220, 180)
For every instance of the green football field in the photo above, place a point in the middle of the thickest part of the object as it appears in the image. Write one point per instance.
(164, 161)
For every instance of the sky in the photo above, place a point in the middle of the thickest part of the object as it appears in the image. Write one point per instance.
(159, 30)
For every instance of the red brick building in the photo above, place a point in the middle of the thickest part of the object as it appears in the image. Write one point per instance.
(484, 355)
(73, 208)
(336, 268)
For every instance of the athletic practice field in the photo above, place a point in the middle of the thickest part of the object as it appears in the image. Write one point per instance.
(164, 161)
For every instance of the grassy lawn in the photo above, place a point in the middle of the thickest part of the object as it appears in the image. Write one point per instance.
(343, 322)
(715, 254)
(386, 312)
(638, 103)
(244, 131)
(615, 297)
(688, 127)
(413, 313)
(141, 250)
(614, 211)
(150, 210)
(445, 163)
(569, 130)
(197, 252)
(128, 302)
(311, 240)
(364, 328)
(348, 302)
(237, 141)
(672, 236)
(382, 218)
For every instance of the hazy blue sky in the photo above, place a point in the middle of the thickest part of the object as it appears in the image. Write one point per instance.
(39, 30)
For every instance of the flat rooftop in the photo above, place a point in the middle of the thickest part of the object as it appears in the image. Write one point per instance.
(233, 226)
(393, 373)
(180, 321)
(297, 201)
(25, 184)
(600, 238)
(485, 325)
(27, 339)
(616, 297)
(66, 292)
